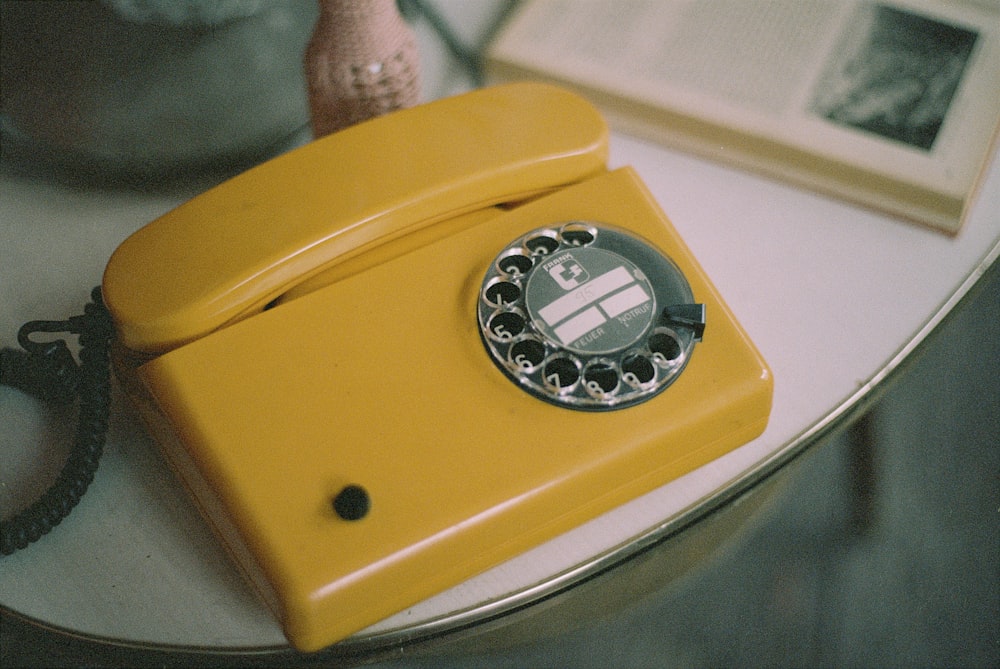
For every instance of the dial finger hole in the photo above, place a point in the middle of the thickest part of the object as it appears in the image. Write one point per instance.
(542, 243)
(638, 371)
(505, 325)
(515, 264)
(578, 234)
(665, 347)
(500, 292)
(561, 373)
(526, 355)
(600, 378)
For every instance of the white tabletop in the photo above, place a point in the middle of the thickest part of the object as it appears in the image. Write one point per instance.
(834, 296)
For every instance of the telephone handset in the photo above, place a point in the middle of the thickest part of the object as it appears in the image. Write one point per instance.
(251, 239)
(402, 354)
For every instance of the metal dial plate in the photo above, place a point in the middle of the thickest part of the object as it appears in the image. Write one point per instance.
(588, 316)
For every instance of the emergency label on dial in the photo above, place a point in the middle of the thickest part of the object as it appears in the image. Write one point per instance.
(590, 300)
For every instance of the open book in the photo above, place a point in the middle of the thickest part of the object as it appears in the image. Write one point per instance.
(892, 104)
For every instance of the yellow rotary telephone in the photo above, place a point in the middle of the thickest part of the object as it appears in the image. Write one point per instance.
(402, 354)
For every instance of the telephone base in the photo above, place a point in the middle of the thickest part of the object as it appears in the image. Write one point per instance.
(380, 379)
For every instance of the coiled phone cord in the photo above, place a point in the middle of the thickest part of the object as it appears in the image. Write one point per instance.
(47, 371)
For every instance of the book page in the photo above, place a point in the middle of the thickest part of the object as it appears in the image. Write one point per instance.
(753, 55)
(902, 87)
(706, 55)
(893, 73)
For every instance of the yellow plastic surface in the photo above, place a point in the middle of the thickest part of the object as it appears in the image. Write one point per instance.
(235, 248)
(380, 379)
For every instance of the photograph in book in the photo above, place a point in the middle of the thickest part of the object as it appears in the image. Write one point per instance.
(894, 73)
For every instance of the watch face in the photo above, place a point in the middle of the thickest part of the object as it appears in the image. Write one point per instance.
(587, 316)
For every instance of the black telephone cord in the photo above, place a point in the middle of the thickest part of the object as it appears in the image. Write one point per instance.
(49, 372)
